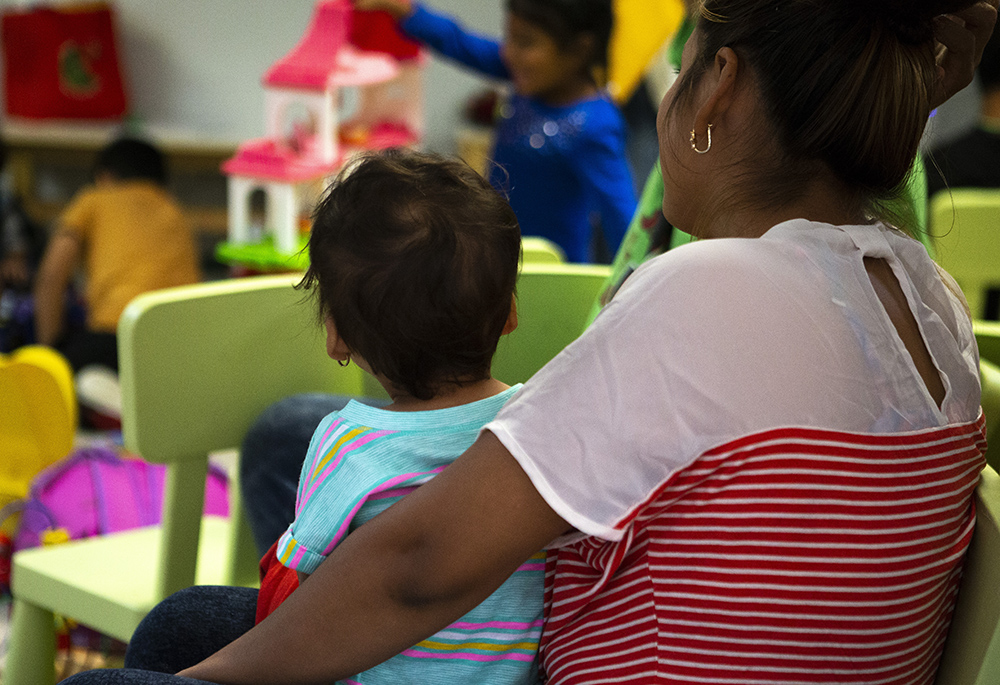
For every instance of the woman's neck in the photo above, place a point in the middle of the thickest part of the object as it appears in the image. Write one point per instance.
(825, 201)
(450, 395)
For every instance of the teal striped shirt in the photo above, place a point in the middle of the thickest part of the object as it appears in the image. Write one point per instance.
(360, 461)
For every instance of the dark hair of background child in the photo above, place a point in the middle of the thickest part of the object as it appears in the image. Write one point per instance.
(132, 159)
(415, 258)
(567, 20)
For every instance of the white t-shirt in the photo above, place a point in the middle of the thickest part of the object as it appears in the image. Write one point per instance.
(730, 337)
(772, 494)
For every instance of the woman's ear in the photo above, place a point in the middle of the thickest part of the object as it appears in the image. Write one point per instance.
(511, 317)
(720, 83)
(336, 348)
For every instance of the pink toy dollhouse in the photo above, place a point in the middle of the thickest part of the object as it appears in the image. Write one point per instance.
(343, 53)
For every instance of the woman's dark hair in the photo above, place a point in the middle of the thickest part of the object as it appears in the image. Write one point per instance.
(845, 83)
(567, 20)
(414, 257)
(132, 159)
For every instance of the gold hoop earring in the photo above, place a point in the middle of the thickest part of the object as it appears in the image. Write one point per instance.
(694, 141)
(345, 362)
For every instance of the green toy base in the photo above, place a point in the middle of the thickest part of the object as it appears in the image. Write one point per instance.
(263, 256)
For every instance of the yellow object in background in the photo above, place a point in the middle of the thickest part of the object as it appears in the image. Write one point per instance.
(37, 416)
(55, 536)
(641, 29)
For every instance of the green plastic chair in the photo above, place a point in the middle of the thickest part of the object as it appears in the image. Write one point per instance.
(963, 224)
(988, 339)
(972, 650)
(198, 364)
(535, 249)
(990, 376)
(554, 301)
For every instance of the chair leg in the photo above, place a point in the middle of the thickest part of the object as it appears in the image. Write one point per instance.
(31, 655)
(242, 558)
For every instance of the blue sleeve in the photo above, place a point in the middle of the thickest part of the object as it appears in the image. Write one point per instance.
(606, 177)
(445, 36)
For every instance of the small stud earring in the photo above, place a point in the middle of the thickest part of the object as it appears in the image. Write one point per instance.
(694, 142)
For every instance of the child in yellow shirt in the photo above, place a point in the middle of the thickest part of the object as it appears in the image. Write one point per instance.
(130, 237)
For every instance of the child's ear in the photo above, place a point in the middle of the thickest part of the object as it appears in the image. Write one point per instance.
(336, 348)
(511, 317)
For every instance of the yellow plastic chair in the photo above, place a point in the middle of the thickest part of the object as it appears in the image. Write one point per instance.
(972, 650)
(963, 224)
(37, 416)
(541, 250)
(198, 364)
(554, 301)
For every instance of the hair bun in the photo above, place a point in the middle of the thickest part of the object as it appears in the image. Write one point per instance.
(910, 20)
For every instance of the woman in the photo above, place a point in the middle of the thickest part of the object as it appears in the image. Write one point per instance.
(757, 465)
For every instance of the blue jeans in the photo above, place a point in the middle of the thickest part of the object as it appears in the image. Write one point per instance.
(179, 632)
(271, 460)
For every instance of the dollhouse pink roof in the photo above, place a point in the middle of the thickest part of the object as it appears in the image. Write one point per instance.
(325, 55)
(273, 160)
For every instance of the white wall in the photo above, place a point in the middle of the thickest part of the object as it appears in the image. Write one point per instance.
(195, 65)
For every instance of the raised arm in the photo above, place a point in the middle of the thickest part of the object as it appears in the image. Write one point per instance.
(444, 35)
(399, 578)
(961, 39)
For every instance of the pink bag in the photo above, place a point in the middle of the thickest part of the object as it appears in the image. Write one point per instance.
(94, 491)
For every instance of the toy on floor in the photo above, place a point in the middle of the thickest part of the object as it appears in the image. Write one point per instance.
(38, 417)
(358, 82)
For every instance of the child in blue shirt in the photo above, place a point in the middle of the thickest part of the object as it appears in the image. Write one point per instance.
(560, 140)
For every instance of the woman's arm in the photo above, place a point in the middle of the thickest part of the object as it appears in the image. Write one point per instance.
(407, 573)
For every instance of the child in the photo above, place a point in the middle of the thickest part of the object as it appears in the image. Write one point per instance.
(20, 239)
(560, 141)
(131, 238)
(21, 245)
(413, 261)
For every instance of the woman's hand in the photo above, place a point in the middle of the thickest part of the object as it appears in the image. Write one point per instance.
(399, 9)
(961, 38)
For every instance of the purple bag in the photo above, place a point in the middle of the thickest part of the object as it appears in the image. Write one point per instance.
(94, 491)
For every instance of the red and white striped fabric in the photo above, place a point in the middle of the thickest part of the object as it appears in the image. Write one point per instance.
(792, 556)
(763, 488)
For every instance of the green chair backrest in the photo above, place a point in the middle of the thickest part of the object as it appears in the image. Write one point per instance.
(988, 339)
(972, 650)
(990, 375)
(964, 226)
(198, 364)
(553, 302)
(540, 250)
